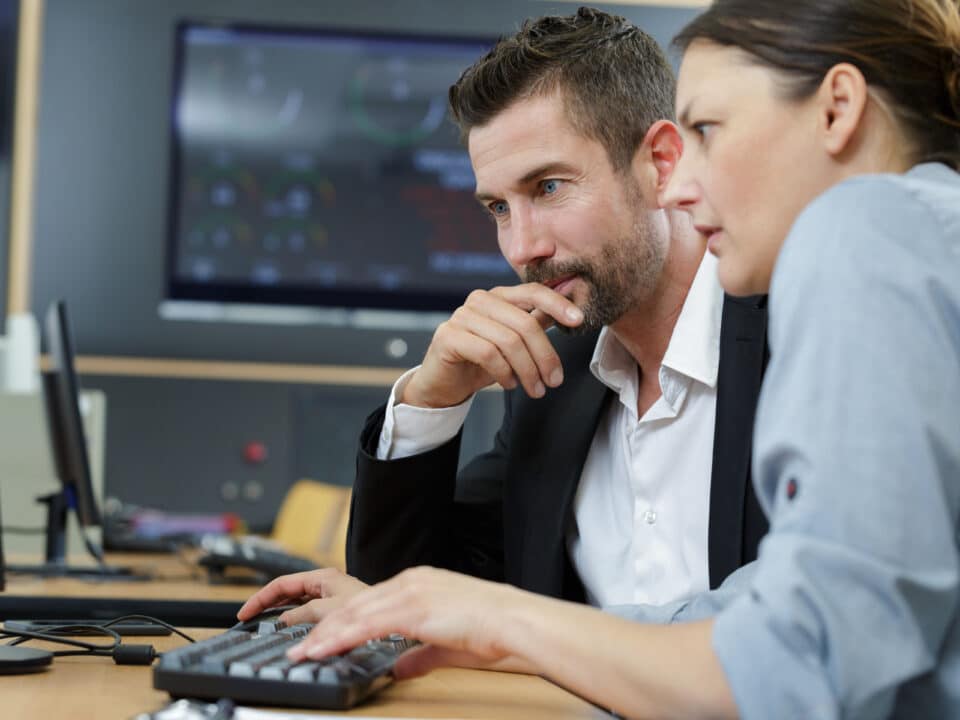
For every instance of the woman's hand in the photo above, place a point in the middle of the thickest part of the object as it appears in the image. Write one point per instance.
(317, 591)
(459, 619)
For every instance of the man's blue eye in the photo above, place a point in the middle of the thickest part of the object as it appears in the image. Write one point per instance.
(551, 186)
(702, 128)
(499, 207)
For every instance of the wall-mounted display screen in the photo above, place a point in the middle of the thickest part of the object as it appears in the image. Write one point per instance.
(320, 168)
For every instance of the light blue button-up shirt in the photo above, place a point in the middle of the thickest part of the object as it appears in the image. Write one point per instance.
(852, 609)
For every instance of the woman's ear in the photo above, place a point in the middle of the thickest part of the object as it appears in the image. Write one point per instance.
(842, 101)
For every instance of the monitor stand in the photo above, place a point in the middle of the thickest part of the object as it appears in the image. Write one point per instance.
(55, 563)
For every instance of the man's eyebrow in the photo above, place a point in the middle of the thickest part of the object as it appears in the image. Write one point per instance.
(548, 168)
(484, 198)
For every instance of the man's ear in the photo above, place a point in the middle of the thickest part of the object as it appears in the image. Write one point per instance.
(659, 153)
(841, 102)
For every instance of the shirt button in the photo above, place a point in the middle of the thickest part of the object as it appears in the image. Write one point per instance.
(650, 516)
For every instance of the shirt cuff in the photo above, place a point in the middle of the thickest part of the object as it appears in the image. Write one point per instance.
(409, 430)
(768, 673)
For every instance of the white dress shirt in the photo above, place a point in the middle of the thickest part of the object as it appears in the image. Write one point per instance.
(643, 504)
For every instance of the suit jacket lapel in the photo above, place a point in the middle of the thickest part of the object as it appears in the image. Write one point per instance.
(742, 362)
(547, 482)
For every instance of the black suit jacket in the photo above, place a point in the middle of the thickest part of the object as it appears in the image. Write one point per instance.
(505, 516)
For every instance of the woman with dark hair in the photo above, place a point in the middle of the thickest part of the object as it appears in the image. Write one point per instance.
(821, 148)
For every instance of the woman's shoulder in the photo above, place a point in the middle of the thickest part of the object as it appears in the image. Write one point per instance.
(879, 214)
(930, 188)
(874, 231)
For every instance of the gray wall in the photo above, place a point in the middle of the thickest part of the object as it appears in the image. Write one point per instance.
(99, 242)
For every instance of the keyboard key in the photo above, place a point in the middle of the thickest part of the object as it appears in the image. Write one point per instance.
(304, 672)
(276, 670)
(219, 662)
(189, 655)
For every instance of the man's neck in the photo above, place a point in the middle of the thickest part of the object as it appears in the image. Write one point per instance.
(646, 329)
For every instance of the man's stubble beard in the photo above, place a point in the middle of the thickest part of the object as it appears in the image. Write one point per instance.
(622, 275)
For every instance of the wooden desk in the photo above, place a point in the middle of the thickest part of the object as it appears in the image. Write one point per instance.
(174, 578)
(94, 688)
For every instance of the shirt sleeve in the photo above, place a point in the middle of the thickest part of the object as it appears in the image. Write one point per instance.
(696, 607)
(409, 430)
(857, 463)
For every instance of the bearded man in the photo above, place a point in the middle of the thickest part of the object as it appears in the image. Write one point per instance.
(621, 472)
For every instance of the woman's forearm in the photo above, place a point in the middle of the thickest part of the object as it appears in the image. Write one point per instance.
(636, 670)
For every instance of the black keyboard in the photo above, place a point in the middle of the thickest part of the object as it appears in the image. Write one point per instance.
(238, 559)
(252, 667)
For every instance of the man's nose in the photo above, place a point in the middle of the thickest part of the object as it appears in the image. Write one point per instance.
(526, 240)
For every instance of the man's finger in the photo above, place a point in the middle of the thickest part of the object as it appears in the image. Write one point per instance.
(534, 296)
(543, 319)
(519, 336)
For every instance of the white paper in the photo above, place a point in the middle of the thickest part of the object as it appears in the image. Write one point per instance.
(242, 713)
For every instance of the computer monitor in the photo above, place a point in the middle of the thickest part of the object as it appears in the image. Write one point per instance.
(318, 169)
(3, 565)
(68, 446)
(67, 439)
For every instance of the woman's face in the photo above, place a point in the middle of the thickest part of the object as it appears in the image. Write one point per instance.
(750, 163)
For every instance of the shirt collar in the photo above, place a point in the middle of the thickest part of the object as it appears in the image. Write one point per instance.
(694, 348)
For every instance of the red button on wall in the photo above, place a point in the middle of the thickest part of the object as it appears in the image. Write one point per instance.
(255, 453)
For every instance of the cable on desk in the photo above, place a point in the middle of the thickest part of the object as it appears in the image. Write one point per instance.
(153, 620)
(55, 635)
(122, 654)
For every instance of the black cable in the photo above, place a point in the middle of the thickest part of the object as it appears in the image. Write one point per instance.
(122, 654)
(51, 635)
(155, 621)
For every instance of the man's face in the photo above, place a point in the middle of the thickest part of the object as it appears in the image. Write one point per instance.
(564, 217)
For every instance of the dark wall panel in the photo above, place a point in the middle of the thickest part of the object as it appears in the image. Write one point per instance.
(179, 445)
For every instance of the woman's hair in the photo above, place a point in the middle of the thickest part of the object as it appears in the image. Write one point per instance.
(908, 51)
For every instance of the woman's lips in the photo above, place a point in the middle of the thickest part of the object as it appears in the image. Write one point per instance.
(713, 235)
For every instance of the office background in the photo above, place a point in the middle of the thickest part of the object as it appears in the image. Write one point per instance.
(182, 436)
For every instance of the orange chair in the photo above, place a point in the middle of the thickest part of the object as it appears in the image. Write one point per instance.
(312, 521)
